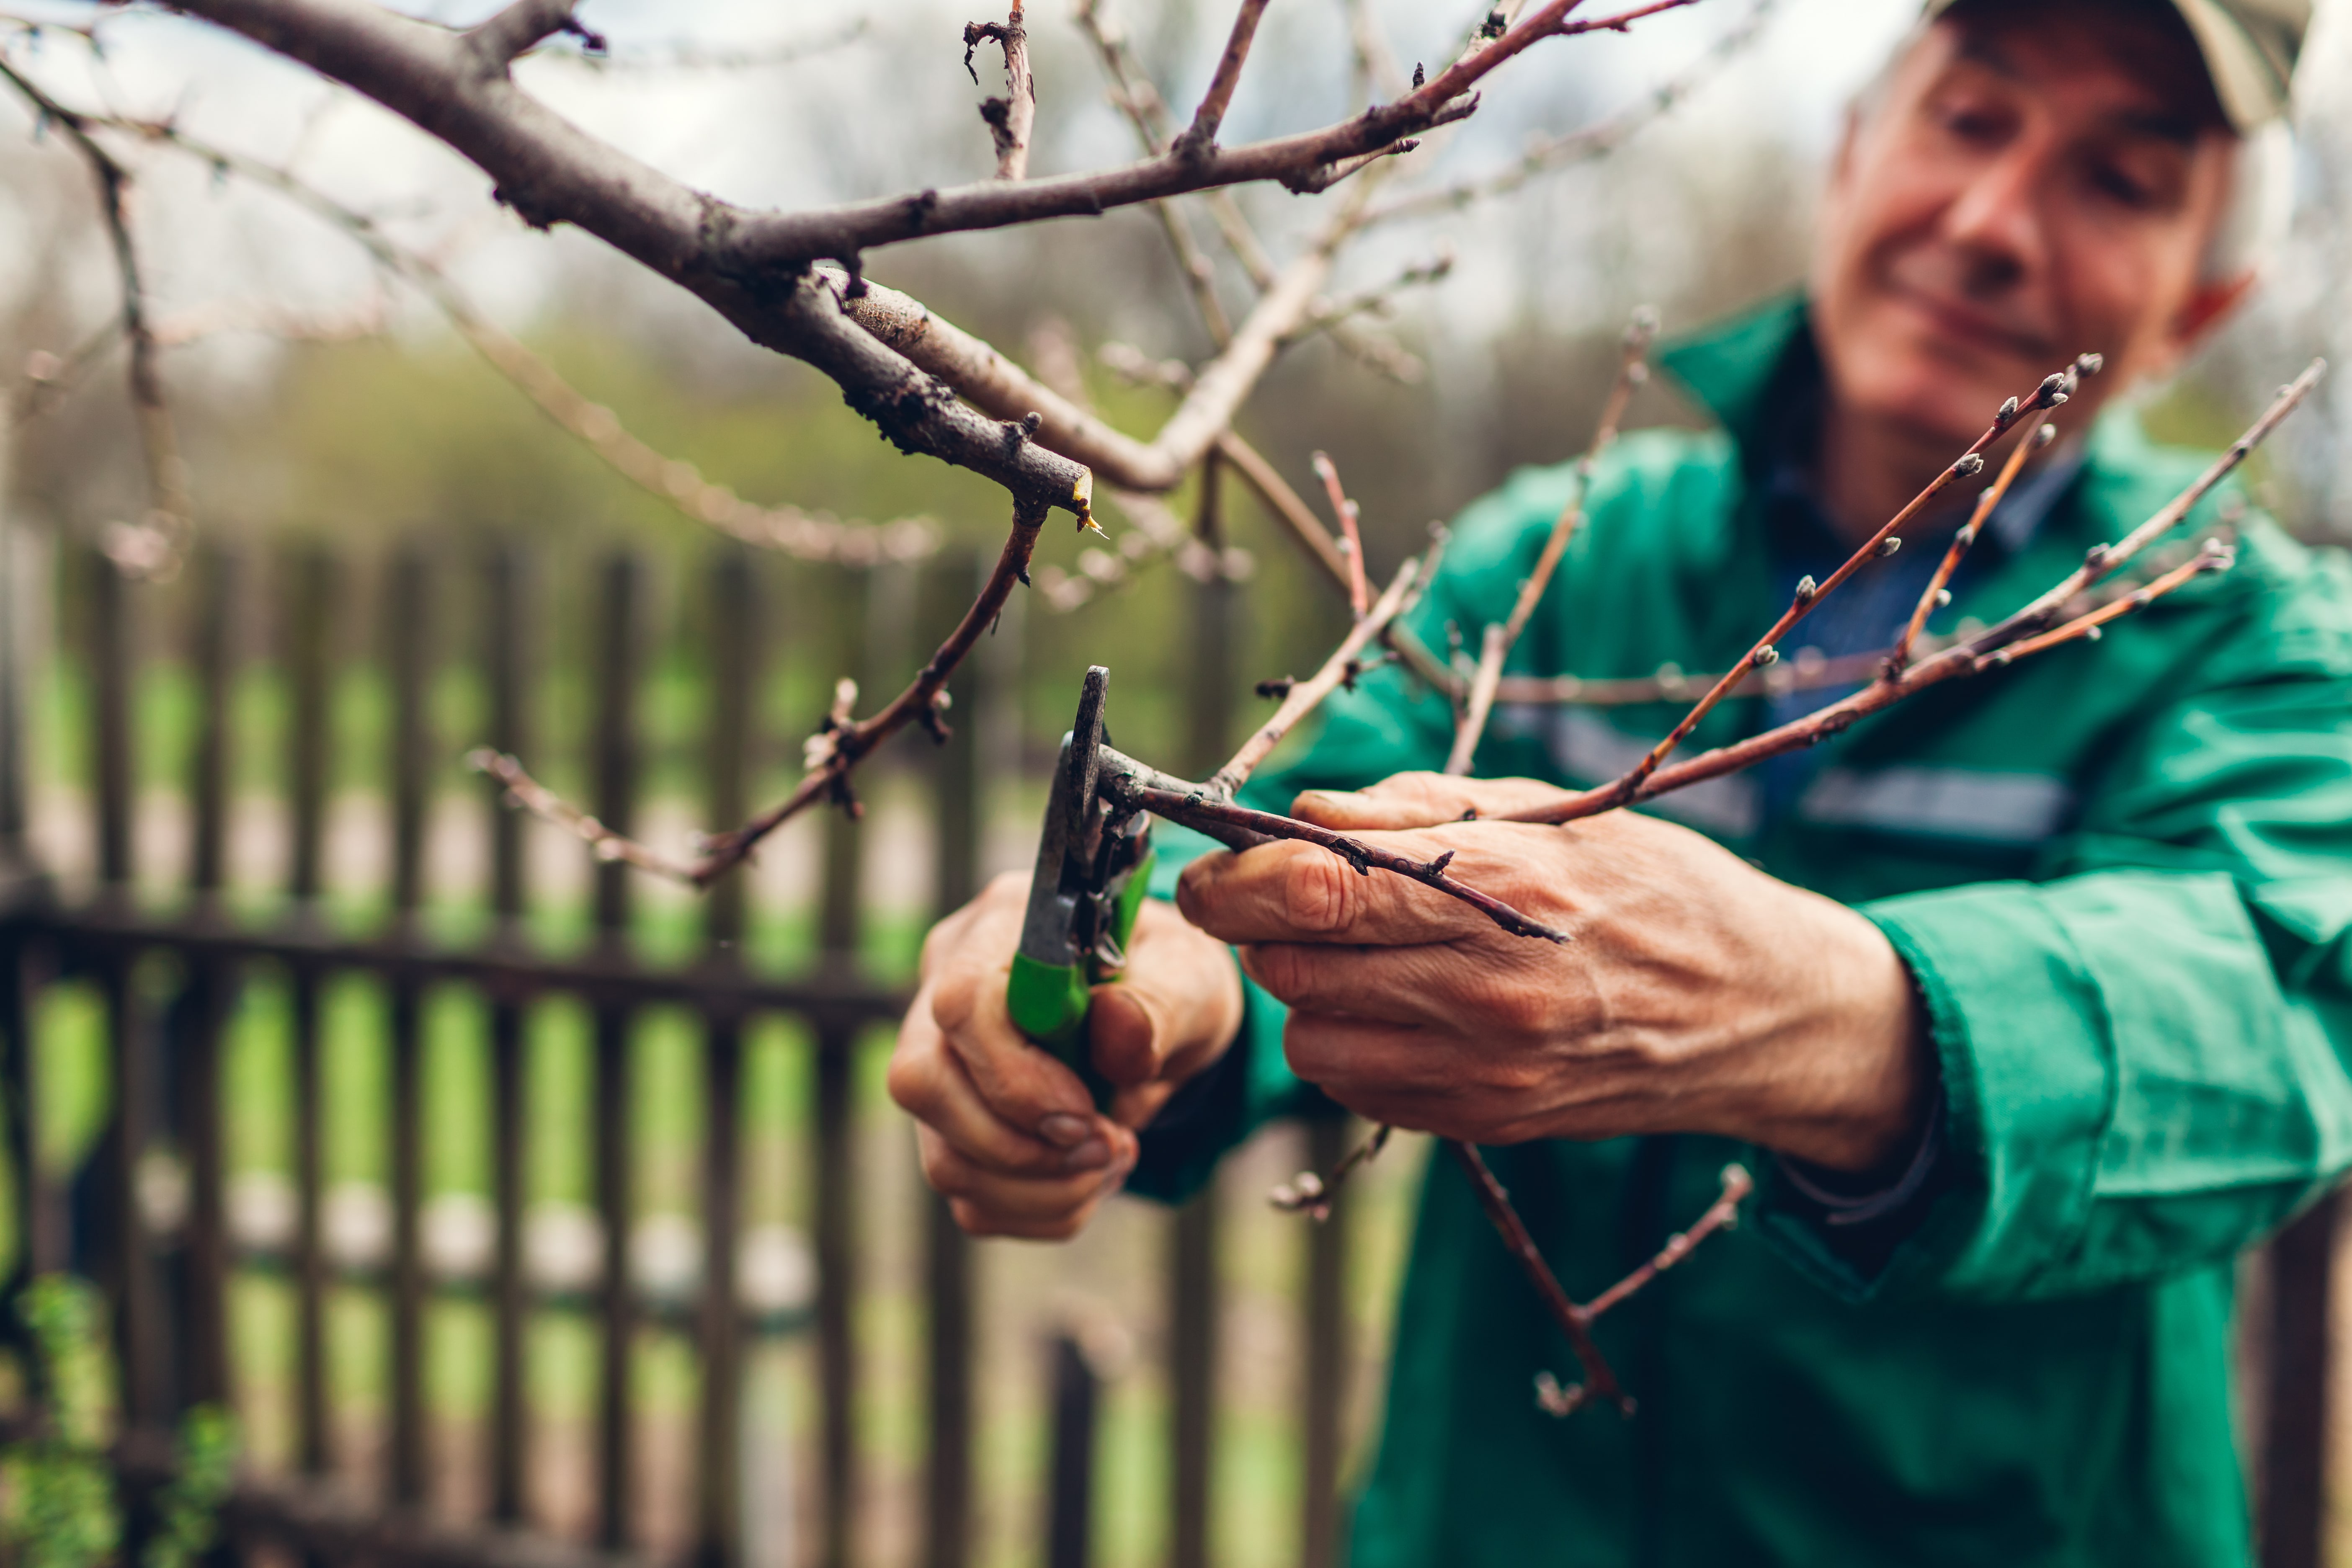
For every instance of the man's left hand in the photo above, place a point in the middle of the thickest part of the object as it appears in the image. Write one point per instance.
(1697, 995)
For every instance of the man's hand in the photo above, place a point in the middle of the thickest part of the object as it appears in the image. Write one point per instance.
(1699, 994)
(1009, 1135)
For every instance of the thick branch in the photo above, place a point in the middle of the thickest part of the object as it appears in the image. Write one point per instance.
(808, 535)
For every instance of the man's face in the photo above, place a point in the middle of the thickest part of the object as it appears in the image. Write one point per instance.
(2029, 186)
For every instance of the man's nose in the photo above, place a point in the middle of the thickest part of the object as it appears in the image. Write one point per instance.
(1996, 220)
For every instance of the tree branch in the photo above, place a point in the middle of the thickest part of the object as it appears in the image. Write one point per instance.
(1200, 138)
(1013, 118)
(1633, 372)
(153, 546)
(1238, 826)
(1934, 596)
(807, 535)
(1306, 695)
(523, 26)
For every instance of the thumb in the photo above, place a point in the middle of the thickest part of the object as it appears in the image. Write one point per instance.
(1130, 1032)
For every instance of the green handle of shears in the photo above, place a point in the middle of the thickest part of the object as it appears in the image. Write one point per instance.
(1049, 1001)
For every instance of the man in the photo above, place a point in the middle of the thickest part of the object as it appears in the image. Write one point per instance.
(2028, 1002)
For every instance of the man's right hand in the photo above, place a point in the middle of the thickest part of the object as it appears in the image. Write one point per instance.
(1009, 1135)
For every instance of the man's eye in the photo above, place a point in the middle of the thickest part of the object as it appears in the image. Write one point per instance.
(2120, 186)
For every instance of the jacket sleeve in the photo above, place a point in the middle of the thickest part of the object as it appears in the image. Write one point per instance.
(2144, 1055)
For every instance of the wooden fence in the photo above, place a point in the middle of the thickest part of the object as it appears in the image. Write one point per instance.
(170, 1282)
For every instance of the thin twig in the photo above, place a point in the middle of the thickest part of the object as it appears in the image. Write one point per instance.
(1935, 596)
(1311, 1195)
(1585, 144)
(1200, 138)
(1351, 535)
(1633, 371)
(1307, 694)
(1013, 118)
(833, 753)
(810, 536)
(2054, 390)
(1600, 1380)
(153, 546)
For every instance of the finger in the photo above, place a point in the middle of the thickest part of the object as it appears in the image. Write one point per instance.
(928, 1083)
(1022, 1084)
(1172, 1010)
(1420, 800)
(1042, 1207)
(1398, 1075)
(1438, 985)
(1301, 892)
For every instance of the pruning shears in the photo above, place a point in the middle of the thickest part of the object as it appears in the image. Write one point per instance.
(1094, 865)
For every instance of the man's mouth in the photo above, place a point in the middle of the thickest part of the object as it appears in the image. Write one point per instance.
(1970, 326)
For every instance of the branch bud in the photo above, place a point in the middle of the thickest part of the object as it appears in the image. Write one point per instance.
(1943, 598)
(2008, 411)
(1807, 589)
(1889, 545)
(1765, 656)
(1970, 465)
(2094, 634)
(2089, 363)
(2045, 436)
(2094, 557)
(2052, 391)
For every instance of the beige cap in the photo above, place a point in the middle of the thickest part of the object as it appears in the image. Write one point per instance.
(2250, 48)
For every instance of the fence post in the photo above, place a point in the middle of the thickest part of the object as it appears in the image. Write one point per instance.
(2300, 1371)
(1192, 1265)
(408, 644)
(958, 792)
(1323, 1324)
(1069, 1501)
(125, 1261)
(614, 772)
(731, 616)
(510, 628)
(835, 1217)
(211, 987)
(306, 606)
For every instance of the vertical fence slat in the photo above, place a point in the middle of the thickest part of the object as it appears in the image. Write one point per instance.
(958, 793)
(407, 607)
(204, 1346)
(1070, 1492)
(719, 1498)
(2295, 1448)
(126, 1259)
(509, 661)
(832, 1179)
(306, 609)
(1323, 1327)
(614, 782)
(1193, 1256)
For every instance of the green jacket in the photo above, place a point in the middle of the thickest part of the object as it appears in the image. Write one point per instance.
(2122, 875)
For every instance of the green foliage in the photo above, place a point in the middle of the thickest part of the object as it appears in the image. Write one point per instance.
(62, 1509)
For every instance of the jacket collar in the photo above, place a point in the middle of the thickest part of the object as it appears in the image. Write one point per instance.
(1732, 369)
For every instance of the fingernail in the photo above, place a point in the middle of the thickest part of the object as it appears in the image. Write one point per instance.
(1091, 1155)
(1065, 1131)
